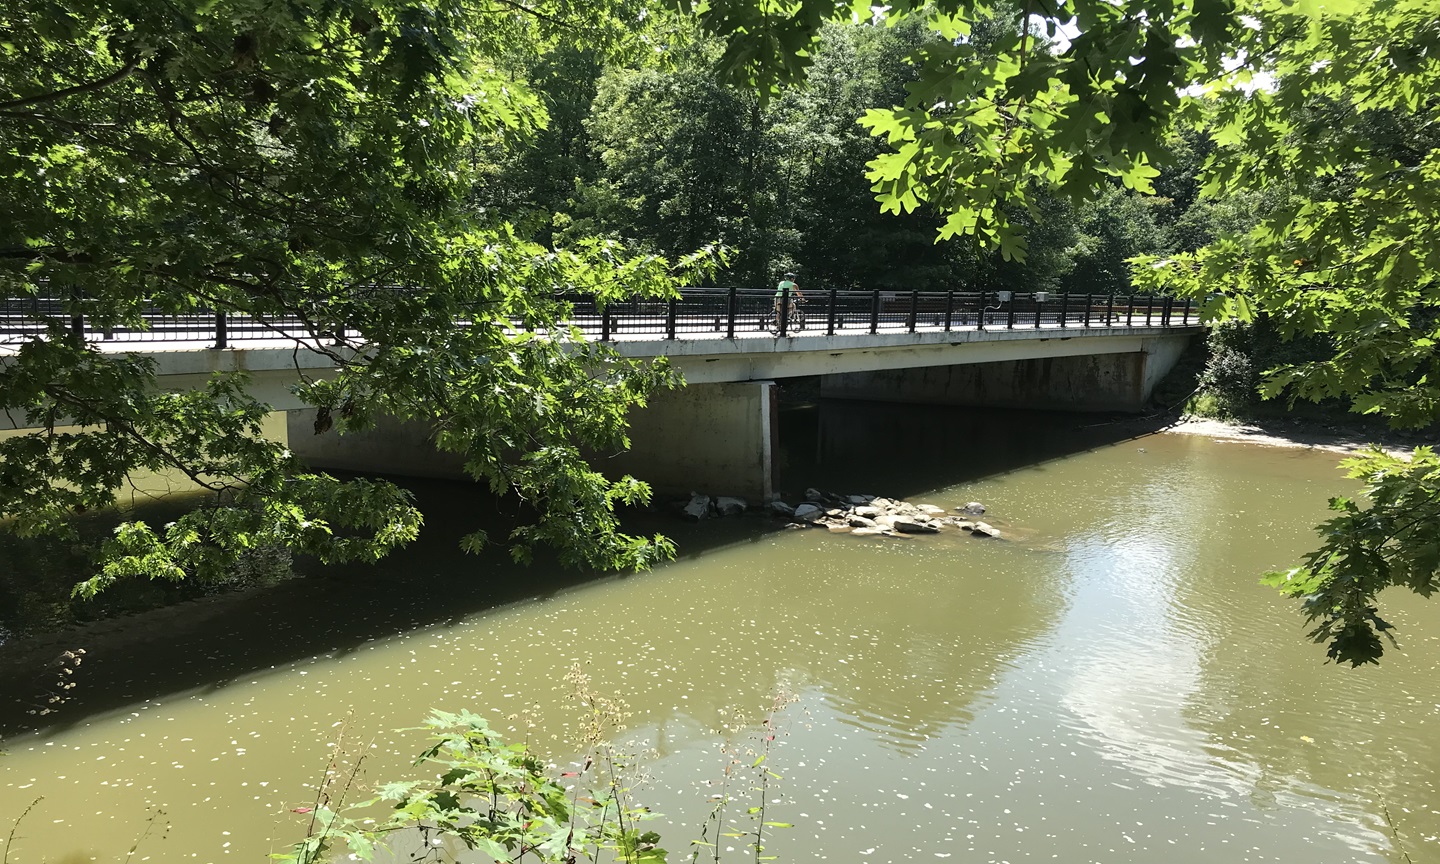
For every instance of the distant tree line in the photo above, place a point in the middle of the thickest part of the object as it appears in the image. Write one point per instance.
(669, 159)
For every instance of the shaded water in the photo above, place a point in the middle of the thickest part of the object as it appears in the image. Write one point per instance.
(1113, 686)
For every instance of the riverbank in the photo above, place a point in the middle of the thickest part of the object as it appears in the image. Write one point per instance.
(1303, 434)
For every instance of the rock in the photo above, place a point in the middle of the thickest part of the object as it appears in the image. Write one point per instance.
(884, 504)
(837, 529)
(780, 508)
(836, 512)
(859, 500)
(868, 532)
(814, 495)
(963, 524)
(860, 522)
(886, 520)
(868, 512)
(983, 530)
(727, 506)
(930, 509)
(697, 508)
(808, 512)
(974, 508)
(909, 526)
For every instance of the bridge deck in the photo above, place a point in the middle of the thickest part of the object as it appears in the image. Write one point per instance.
(741, 316)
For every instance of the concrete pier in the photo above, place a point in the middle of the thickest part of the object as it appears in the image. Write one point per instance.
(712, 438)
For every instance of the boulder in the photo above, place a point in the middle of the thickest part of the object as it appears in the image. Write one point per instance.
(868, 512)
(860, 522)
(983, 530)
(814, 495)
(697, 508)
(886, 520)
(808, 513)
(884, 504)
(869, 532)
(963, 524)
(974, 508)
(930, 509)
(727, 506)
(837, 529)
(780, 508)
(911, 526)
(859, 500)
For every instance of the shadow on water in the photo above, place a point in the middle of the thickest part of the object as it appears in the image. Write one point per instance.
(210, 640)
(899, 450)
(894, 450)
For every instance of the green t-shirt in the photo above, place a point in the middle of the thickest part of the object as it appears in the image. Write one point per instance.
(784, 284)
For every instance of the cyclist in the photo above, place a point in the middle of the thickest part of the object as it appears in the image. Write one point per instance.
(787, 284)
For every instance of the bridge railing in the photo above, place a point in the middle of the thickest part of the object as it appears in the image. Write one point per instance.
(695, 313)
(738, 312)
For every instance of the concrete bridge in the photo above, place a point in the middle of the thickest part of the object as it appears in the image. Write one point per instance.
(1067, 352)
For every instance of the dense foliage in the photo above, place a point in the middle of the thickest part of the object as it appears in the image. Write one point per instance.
(314, 160)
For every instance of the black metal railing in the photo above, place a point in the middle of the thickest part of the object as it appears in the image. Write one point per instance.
(729, 313)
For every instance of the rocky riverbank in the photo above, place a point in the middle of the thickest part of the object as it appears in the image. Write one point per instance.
(862, 515)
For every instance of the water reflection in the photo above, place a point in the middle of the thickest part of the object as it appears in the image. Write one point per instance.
(1128, 695)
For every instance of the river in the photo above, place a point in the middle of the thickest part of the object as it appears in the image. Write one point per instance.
(1111, 686)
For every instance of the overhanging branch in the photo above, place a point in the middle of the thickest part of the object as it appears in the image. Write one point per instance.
(98, 84)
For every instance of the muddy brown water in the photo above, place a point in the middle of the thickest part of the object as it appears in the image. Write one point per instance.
(1112, 686)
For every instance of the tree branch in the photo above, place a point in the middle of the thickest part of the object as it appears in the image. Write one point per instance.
(98, 84)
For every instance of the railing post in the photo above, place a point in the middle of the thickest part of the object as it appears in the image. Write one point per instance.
(731, 309)
(1039, 307)
(875, 311)
(1165, 311)
(914, 308)
(830, 313)
(222, 329)
(1130, 312)
(670, 319)
(1110, 309)
(949, 309)
(605, 323)
(1064, 308)
(782, 316)
(980, 311)
(1085, 321)
(77, 317)
(1010, 312)
(1149, 308)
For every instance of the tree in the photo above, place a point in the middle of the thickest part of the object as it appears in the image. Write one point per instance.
(312, 161)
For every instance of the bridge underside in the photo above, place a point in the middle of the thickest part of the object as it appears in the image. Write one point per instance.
(1088, 382)
(721, 438)
(718, 435)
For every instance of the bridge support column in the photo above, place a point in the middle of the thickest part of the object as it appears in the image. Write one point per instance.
(711, 438)
(1089, 382)
(717, 439)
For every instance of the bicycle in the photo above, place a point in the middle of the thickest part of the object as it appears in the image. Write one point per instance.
(796, 320)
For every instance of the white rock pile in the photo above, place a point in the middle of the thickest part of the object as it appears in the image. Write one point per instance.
(871, 516)
(861, 515)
